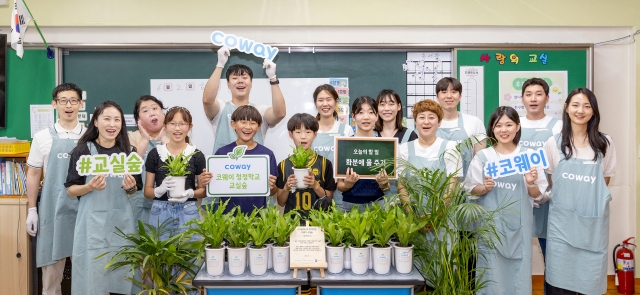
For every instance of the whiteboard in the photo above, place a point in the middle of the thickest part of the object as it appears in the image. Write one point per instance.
(298, 96)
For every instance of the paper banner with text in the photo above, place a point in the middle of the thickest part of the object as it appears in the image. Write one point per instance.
(238, 175)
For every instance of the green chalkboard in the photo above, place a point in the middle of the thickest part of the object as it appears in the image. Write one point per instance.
(123, 76)
(361, 153)
(573, 62)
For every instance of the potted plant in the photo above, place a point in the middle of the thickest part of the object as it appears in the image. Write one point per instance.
(237, 235)
(383, 227)
(332, 223)
(407, 226)
(167, 266)
(177, 166)
(283, 227)
(260, 230)
(212, 228)
(301, 159)
(357, 230)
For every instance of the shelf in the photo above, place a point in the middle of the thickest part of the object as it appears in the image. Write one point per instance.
(21, 155)
(13, 196)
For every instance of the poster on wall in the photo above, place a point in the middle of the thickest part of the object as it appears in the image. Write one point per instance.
(510, 89)
(472, 96)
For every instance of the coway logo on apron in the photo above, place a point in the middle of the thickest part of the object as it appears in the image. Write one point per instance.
(63, 155)
(532, 143)
(576, 177)
(506, 185)
(324, 148)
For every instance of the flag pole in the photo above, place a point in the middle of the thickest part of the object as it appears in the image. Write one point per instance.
(49, 51)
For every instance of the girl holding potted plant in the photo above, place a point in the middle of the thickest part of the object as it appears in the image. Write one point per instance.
(316, 183)
(104, 205)
(171, 174)
(358, 192)
(507, 265)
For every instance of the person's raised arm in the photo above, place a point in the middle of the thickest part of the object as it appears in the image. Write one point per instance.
(209, 101)
(278, 109)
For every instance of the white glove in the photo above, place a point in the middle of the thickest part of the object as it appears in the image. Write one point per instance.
(270, 68)
(32, 221)
(167, 185)
(223, 56)
(185, 196)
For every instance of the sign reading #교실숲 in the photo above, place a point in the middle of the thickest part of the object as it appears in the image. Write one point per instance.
(238, 175)
(244, 45)
(114, 164)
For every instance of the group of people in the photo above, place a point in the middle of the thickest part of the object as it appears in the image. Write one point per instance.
(78, 214)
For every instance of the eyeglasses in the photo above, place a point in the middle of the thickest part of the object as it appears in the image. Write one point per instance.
(65, 101)
(180, 125)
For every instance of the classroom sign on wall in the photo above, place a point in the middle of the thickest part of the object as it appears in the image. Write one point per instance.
(238, 175)
(510, 90)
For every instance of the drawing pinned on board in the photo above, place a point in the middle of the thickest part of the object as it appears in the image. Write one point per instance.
(472, 96)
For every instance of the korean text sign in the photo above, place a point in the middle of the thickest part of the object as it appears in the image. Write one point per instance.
(361, 153)
(114, 164)
(238, 175)
(518, 164)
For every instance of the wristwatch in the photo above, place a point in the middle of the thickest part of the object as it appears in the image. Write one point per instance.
(131, 190)
(276, 82)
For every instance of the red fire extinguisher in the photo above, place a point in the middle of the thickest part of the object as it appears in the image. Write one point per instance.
(624, 265)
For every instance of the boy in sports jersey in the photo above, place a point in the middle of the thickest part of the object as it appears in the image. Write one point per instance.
(536, 128)
(303, 129)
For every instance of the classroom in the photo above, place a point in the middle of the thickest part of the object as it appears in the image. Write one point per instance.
(120, 50)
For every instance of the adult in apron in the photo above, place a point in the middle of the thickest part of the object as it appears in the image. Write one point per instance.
(540, 215)
(57, 212)
(458, 134)
(140, 205)
(323, 145)
(99, 213)
(578, 230)
(507, 268)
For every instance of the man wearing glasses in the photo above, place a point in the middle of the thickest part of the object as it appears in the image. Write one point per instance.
(53, 221)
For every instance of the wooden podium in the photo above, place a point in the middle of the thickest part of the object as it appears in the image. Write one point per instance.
(15, 276)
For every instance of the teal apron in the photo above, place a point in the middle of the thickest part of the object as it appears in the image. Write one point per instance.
(99, 213)
(324, 146)
(507, 268)
(535, 138)
(57, 211)
(458, 134)
(139, 204)
(578, 232)
(393, 183)
(225, 135)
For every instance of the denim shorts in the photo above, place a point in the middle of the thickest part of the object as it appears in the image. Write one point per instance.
(178, 213)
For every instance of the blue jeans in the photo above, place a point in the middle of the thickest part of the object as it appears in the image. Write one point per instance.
(180, 214)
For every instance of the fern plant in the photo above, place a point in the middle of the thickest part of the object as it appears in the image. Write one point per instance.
(237, 234)
(177, 165)
(302, 158)
(260, 229)
(284, 226)
(332, 222)
(383, 225)
(212, 227)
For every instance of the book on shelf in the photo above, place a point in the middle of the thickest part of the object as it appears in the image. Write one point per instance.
(13, 177)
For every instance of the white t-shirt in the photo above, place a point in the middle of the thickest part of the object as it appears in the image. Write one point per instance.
(472, 125)
(475, 174)
(216, 120)
(451, 156)
(348, 131)
(586, 153)
(542, 123)
(42, 141)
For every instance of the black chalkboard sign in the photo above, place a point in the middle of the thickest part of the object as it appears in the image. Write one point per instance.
(362, 153)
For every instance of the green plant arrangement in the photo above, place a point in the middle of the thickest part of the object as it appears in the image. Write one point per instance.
(284, 226)
(260, 229)
(332, 223)
(407, 226)
(301, 157)
(237, 234)
(212, 227)
(166, 265)
(383, 225)
(357, 227)
(177, 165)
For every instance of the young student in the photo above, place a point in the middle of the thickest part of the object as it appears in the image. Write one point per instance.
(50, 153)
(148, 113)
(303, 129)
(104, 205)
(537, 128)
(178, 122)
(246, 121)
(356, 192)
(578, 230)
(507, 268)
(326, 97)
(458, 126)
(390, 116)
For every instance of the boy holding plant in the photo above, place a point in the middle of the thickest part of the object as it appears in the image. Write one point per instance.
(303, 129)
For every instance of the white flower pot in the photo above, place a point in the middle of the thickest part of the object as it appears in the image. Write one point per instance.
(404, 259)
(300, 173)
(393, 251)
(335, 258)
(180, 187)
(215, 260)
(359, 260)
(280, 257)
(381, 259)
(370, 256)
(237, 260)
(347, 258)
(258, 260)
(269, 256)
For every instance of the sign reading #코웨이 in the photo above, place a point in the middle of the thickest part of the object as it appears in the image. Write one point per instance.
(238, 175)
(362, 153)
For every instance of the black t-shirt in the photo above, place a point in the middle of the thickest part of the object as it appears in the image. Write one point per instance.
(400, 134)
(74, 178)
(154, 165)
(302, 200)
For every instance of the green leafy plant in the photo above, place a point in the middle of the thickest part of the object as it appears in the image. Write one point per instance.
(260, 229)
(356, 225)
(407, 226)
(177, 165)
(237, 234)
(383, 225)
(167, 266)
(332, 223)
(301, 157)
(212, 227)
(284, 226)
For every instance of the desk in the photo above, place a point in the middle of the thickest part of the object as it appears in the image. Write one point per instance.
(270, 283)
(370, 283)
